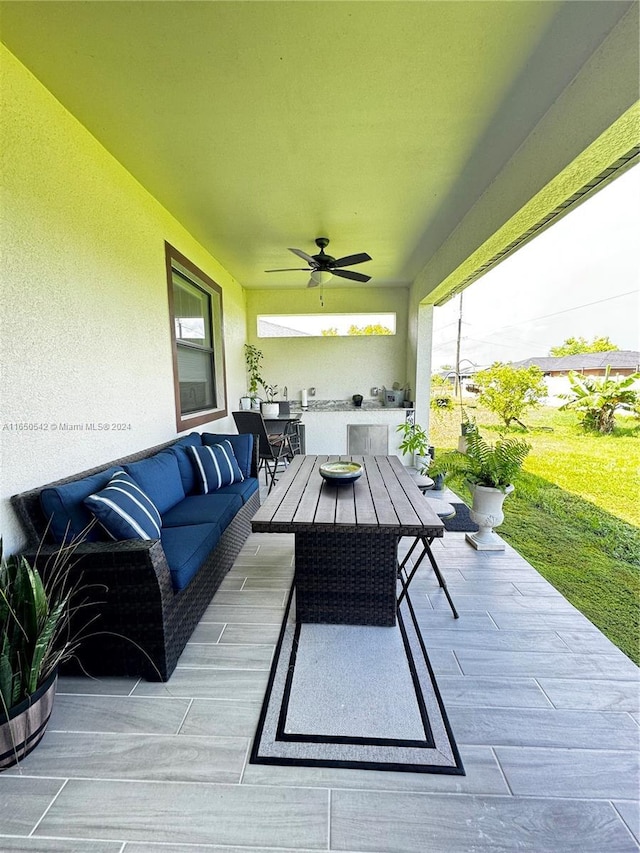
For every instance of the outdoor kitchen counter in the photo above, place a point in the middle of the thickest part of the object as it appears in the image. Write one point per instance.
(326, 424)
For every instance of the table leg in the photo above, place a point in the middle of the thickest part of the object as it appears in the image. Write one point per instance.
(346, 578)
(406, 577)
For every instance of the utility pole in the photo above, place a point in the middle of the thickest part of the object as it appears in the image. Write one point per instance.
(458, 385)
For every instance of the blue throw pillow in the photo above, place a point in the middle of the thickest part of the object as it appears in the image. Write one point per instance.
(124, 510)
(63, 507)
(215, 466)
(159, 478)
(179, 450)
(242, 447)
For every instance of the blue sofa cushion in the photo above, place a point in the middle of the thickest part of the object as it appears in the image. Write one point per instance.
(215, 466)
(180, 450)
(216, 508)
(245, 489)
(186, 548)
(159, 477)
(124, 510)
(242, 447)
(63, 506)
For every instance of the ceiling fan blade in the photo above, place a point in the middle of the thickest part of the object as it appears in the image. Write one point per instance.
(312, 283)
(290, 269)
(354, 276)
(349, 260)
(308, 258)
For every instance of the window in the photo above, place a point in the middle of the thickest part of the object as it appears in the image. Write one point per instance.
(195, 307)
(325, 325)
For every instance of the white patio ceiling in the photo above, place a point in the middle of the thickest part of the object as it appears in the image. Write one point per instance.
(261, 125)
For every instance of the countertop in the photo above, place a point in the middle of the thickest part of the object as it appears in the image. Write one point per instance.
(319, 406)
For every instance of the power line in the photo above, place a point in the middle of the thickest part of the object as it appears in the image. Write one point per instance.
(532, 320)
(564, 311)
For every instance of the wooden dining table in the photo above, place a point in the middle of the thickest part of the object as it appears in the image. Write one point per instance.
(347, 535)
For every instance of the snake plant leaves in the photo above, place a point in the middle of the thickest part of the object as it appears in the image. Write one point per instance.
(35, 611)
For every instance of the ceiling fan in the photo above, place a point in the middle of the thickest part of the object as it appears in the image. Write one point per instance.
(323, 266)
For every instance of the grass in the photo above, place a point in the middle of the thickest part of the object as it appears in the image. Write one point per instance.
(575, 513)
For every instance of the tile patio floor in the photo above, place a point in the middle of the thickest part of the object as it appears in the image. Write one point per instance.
(545, 711)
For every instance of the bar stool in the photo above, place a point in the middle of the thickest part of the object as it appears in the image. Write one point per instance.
(443, 510)
(274, 450)
(292, 428)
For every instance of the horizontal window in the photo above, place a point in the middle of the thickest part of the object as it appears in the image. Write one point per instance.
(325, 325)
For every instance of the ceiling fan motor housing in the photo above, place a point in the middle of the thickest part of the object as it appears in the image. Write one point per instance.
(321, 258)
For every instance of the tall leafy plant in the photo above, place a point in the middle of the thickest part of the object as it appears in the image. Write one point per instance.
(414, 440)
(35, 616)
(253, 358)
(596, 400)
(484, 464)
(510, 391)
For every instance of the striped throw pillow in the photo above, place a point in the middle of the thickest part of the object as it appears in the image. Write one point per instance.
(124, 510)
(215, 466)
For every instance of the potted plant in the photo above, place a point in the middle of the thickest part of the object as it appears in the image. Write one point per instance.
(35, 637)
(270, 409)
(415, 441)
(489, 470)
(467, 426)
(252, 356)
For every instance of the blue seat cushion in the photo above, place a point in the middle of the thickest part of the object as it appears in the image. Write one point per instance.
(124, 510)
(179, 450)
(159, 477)
(215, 466)
(242, 447)
(64, 509)
(186, 548)
(216, 508)
(245, 489)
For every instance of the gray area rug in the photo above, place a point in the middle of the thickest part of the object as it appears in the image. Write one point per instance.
(354, 696)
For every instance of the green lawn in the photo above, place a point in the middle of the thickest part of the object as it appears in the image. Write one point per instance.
(575, 513)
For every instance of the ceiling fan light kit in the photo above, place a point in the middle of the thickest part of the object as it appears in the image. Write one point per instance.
(323, 267)
(320, 277)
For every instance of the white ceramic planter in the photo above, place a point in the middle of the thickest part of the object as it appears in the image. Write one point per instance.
(421, 462)
(245, 403)
(270, 410)
(487, 513)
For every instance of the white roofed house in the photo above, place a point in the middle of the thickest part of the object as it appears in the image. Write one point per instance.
(556, 369)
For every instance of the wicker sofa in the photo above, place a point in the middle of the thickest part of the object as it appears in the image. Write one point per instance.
(145, 596)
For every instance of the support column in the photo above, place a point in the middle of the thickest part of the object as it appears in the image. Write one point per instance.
(424, 341)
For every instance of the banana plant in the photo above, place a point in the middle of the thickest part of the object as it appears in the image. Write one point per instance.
(596, 399)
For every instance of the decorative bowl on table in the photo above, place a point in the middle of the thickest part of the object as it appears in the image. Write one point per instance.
(340, 473)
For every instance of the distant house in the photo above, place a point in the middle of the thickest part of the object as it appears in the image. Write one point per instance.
(556, 369)
(622, 363)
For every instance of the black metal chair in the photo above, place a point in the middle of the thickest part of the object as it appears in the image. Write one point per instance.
(274, 450)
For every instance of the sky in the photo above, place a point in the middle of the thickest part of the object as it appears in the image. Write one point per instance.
(313, 324)
(579, 278)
